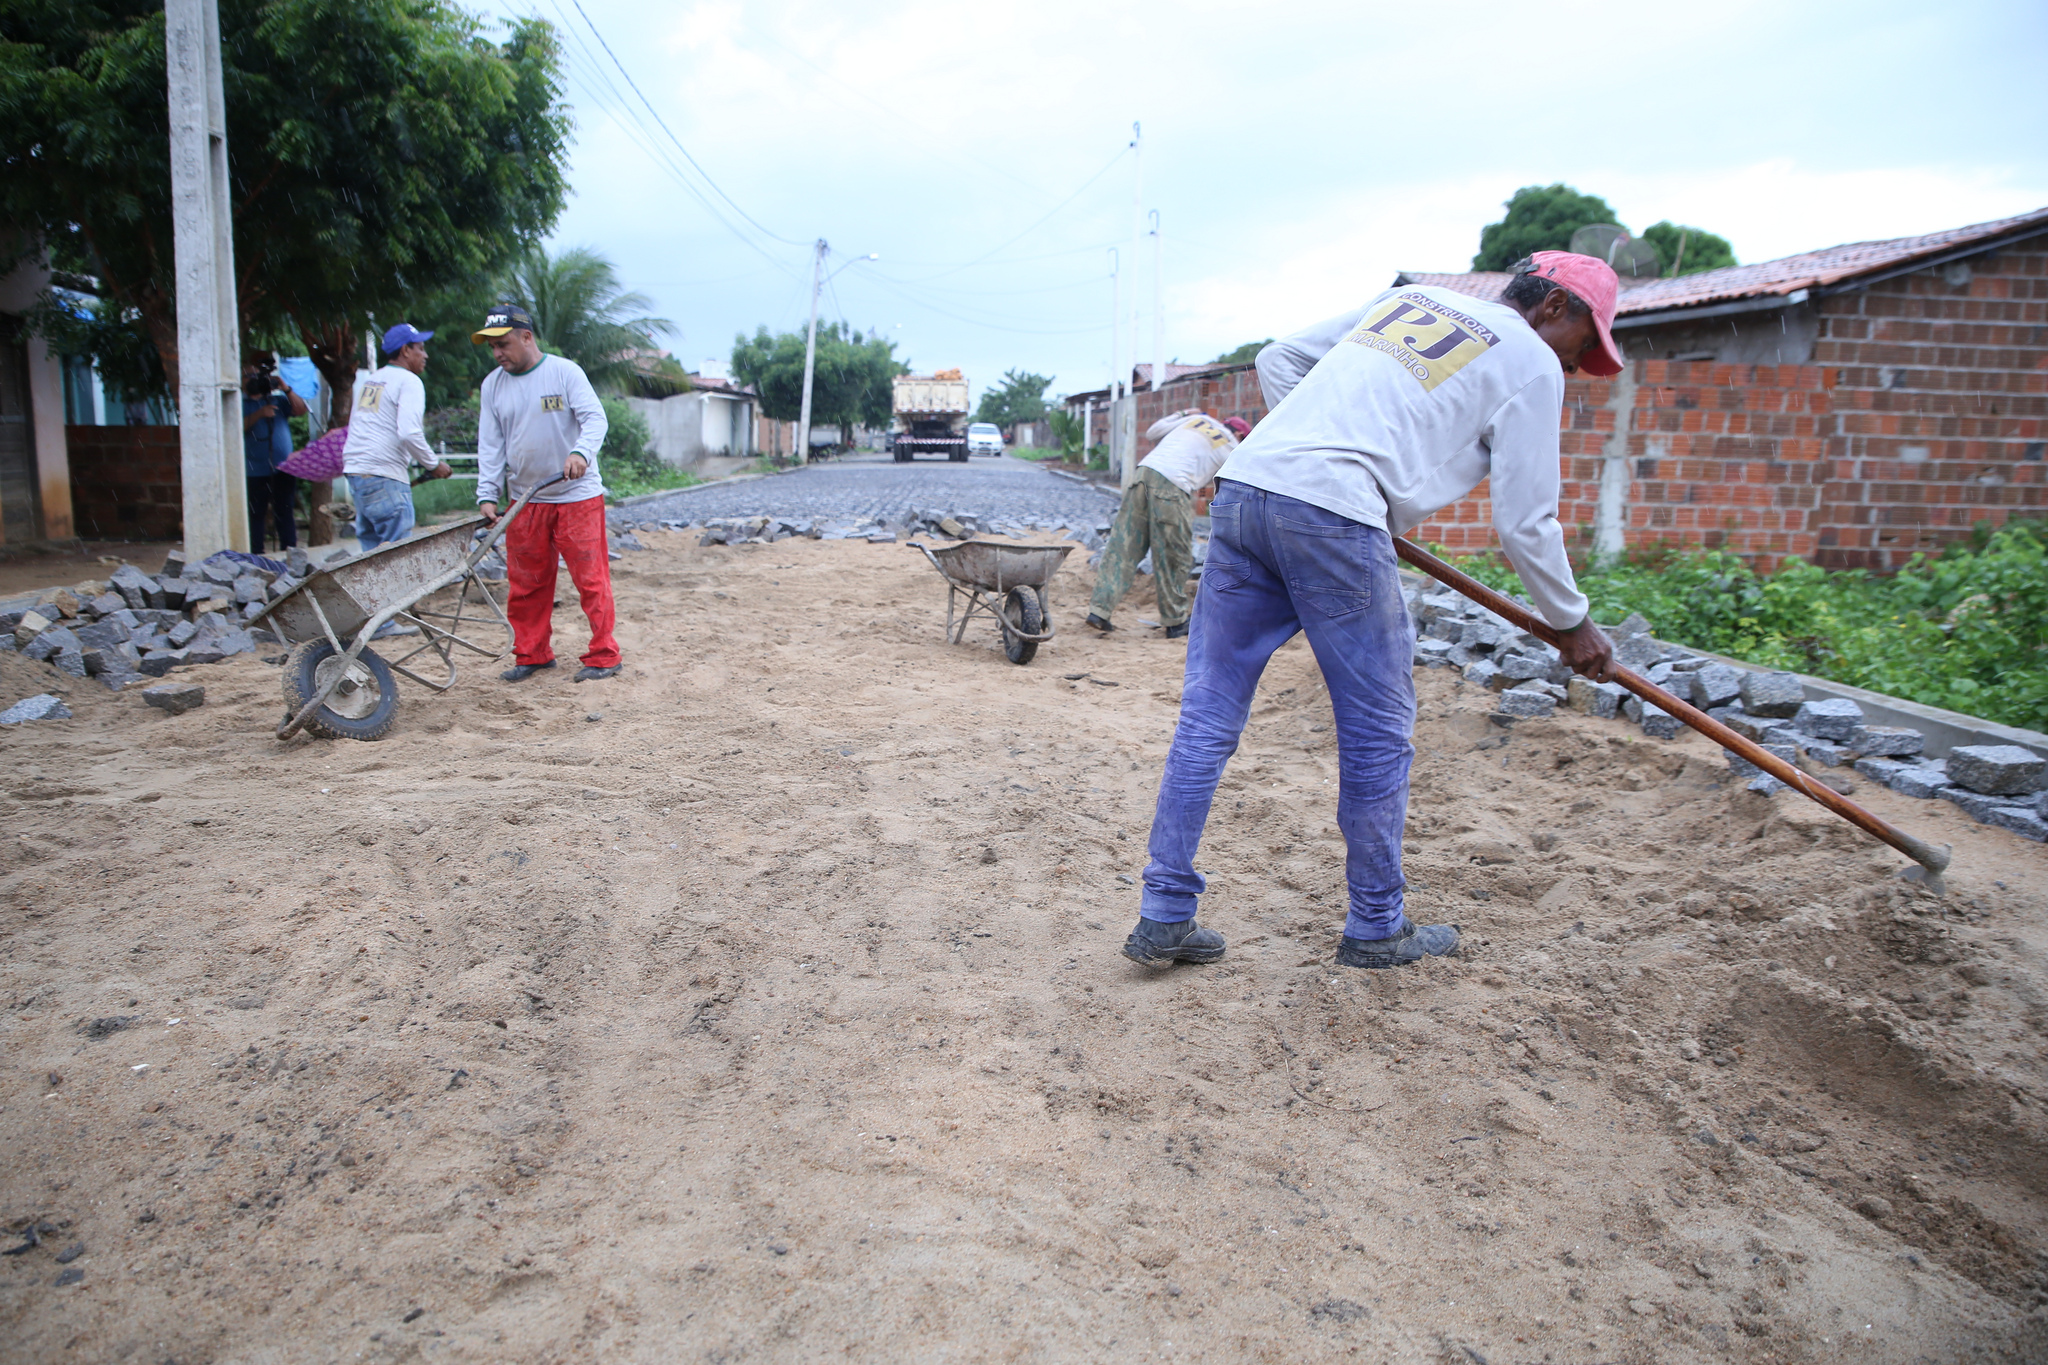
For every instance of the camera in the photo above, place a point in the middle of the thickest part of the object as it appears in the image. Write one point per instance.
(264, 383)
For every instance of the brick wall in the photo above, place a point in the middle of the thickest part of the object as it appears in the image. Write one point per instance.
(126, 483)
(1940, 395)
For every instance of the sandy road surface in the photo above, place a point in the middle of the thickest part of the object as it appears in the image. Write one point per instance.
(778, 1015)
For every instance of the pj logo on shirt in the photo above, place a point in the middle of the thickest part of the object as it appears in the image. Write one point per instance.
(1427, 339)
(551, 402)
(372, 399)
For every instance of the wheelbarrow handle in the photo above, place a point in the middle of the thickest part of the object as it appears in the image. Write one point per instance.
(490, 541)
(926, 549)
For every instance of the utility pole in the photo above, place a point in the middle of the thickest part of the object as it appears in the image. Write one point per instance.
(1158, 312)
(216, 501)
(1116, 325)
(1137, 234)
(803, 425)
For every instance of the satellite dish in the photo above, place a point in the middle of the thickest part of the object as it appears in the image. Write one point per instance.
(1631, 257)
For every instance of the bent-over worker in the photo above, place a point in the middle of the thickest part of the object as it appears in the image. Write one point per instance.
(539, 419)
(1158, 513)
(1379, 418)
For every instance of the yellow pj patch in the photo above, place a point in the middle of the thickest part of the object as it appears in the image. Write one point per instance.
(1214, 434)
(551, 402)
(372, 399)
(1427, 339)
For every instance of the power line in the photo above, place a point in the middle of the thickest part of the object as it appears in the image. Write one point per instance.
(671, 133)
(982, 259)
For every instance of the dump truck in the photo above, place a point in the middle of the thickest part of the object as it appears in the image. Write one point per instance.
(929, 411)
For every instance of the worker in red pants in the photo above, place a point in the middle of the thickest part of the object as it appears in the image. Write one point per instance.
(540, 419)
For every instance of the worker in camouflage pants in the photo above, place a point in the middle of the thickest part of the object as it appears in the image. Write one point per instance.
(1158, 514)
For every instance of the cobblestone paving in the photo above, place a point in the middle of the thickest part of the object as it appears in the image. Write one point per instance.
(877, 488)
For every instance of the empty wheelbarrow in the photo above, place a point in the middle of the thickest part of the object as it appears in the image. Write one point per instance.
(335, 685)
(1004, 582)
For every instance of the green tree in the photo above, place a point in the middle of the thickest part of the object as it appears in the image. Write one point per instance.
(1243, 355)
(1019, 398)
(583, 313)
(850, 385)
(379, 151)
(1687, 250)
(1539, 218)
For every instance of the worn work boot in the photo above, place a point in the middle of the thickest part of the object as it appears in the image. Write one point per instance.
(1155, 943)
(521, 672)
(589, 674)
(1177, 632)
(1100, 623)
(1405, 945)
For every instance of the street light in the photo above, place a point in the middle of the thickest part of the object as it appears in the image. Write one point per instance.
(811, 336)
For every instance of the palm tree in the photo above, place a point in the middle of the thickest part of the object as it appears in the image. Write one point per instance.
(583, 313)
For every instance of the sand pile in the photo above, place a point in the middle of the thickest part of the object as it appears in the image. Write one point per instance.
(776, 1013)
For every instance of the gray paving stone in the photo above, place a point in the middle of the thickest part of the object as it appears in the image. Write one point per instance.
(135, 587)
(876, 489)
(1484, 672)
(158, 662)
(1995, 769)
(1772, 694)
(49, 643)
(1880, 770)
(175, 697)
(1742, 767)
(1923, 781)
(1762, 729)
(1433, 653)
(1597, 699)
(1715, 685)
(1526, 705)
(1834, 718)
(1887, 741)
(1827, 751)
(40, 707)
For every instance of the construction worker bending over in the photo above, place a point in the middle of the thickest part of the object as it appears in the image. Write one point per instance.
(1158, 514)
(1379, 418)
(540, 418)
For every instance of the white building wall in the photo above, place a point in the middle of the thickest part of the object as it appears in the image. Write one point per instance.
(691, 427)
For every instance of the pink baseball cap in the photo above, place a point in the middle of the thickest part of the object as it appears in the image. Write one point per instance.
(1238, 425)
(1592, 280)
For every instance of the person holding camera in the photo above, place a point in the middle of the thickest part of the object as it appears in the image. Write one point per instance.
(387, 436)
(267, 405)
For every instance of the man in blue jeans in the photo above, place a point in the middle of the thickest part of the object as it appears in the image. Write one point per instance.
(1379, 418)
(387, 438)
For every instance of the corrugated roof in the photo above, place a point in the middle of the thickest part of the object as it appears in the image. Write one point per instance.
(1808, 270)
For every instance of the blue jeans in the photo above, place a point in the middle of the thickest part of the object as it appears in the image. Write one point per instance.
(1278, 565)
(383, 509)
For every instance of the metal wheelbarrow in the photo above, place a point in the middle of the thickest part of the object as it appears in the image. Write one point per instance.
(335, 685)
(1005, 582)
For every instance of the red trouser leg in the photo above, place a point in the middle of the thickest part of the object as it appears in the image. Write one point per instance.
(530, 581)
(579, 535)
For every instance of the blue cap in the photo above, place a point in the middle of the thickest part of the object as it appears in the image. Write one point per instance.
(402, 336)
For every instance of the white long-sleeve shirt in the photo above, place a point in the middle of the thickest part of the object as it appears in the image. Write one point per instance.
(1192, 447)
(528, 426)
(386, 433)
(1393, 411)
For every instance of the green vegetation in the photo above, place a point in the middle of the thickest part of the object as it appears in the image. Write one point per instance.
(1967, 630)
(1019, 398)
(1066, 429)
(1687, 250)
(444, 497)
(850, 385)
(1539, 218)
(1243, 355)
(619, 487)
(1544, 217)
(377, 153)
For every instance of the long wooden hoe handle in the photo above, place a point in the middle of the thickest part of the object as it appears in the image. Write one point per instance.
(1931, 858)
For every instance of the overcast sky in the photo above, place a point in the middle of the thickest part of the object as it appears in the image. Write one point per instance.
(1297, 155)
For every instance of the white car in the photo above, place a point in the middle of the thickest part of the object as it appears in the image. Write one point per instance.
(984, 438)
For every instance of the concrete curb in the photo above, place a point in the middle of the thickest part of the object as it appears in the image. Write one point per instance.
(638, 498)
(1944, 730)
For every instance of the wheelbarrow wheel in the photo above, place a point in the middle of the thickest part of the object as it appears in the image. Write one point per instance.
(365, 705)
(1021, 616)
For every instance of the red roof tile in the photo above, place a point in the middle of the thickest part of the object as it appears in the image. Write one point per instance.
(1808, 270)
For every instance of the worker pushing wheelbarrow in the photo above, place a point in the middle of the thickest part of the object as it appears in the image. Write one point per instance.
(335, 685)
(1004, 582)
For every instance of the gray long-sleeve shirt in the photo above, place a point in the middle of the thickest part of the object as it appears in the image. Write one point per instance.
(529, 425)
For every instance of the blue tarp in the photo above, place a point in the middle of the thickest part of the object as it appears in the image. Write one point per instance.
(298, 371)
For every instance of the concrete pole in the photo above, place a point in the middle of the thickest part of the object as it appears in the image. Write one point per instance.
(209, 351)
(1116, 325)
(1137, 235)
(1158, 312)
(803, 432)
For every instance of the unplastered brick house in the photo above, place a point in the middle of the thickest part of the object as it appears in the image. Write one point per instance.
(1850, 406)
